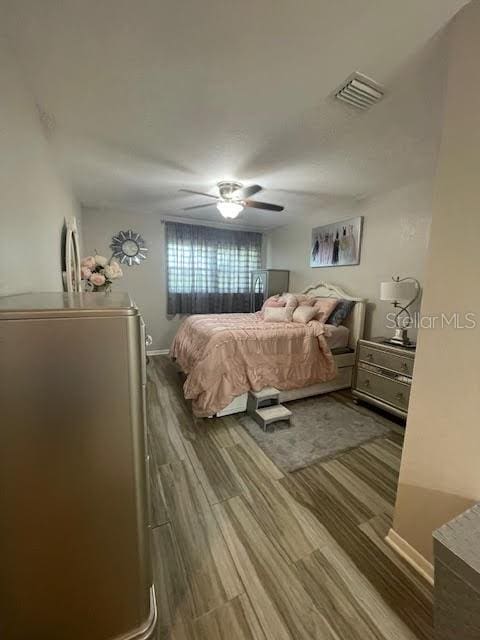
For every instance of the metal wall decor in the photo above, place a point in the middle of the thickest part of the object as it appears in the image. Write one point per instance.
(129, 247)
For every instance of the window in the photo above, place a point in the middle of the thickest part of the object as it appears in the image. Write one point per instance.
(208, 269)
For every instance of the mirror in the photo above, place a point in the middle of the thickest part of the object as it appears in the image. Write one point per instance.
(258, 286)
(129, 247)
(71, 257)
(258, 292)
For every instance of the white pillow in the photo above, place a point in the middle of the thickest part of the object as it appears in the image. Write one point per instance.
(290, 299)
(278, 314)
(304, 313)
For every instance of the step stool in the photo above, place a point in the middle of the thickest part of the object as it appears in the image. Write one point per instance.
(265, 408)
(263, 398)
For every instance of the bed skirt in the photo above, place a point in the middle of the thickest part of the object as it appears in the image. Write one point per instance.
(345, 363)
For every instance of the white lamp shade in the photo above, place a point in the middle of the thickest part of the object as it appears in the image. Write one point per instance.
(229, 209)
(393, 290)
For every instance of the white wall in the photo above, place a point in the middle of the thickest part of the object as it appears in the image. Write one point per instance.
(146, 282)
(33, 199)
(439, 474)
(395, 239)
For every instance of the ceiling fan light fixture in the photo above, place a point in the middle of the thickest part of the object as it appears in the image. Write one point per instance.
(233, 198)
(229, 209)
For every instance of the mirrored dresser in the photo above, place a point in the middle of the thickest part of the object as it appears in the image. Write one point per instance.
(383, 375)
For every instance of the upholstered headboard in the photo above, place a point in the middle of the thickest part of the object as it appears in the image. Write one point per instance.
(356, 321)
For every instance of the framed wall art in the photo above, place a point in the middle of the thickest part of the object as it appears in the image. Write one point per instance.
(337, 244)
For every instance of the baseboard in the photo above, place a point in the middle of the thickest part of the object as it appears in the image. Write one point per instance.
(411, 555)
(158, 352)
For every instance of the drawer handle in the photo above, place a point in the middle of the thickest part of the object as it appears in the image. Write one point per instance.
(366, 383)
(370, 356)
(404, 366)
(400, 396)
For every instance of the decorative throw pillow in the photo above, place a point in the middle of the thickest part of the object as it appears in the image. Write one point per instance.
(273, 301)
(304, 313)
(304, 300)
(324, 307)
(341, 312)
(278, 314)
(290, 299)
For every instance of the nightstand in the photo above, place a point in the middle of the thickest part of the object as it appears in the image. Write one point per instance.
(383, 375)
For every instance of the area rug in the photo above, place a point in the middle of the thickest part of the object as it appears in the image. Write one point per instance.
(321, 427)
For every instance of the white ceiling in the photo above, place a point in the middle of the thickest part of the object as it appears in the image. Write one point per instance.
(146, 96)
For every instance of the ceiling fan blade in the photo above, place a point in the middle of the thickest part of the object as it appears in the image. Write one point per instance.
(200, 206)
(199, 193)
(246, 192)
(255, 204)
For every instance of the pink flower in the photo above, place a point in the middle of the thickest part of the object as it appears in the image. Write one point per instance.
(88, 262)
(97, 279)
(86, 273)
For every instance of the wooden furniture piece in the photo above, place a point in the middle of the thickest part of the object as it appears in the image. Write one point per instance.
(345, 359)
(265, 398)
(265, 408)
(266, 283)
(383, 375)
(269, 415)
(74, 502)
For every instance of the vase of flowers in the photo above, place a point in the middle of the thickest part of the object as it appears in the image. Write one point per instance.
(99, 273)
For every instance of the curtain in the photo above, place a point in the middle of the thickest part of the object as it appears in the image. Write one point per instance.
(208, 269)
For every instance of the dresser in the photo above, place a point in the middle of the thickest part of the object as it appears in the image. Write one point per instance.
(383, 375)
(266, 283)
(74, 504)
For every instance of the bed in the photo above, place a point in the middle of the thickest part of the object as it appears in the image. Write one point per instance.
(224, 356)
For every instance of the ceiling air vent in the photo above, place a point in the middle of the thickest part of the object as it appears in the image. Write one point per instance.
(359, 91)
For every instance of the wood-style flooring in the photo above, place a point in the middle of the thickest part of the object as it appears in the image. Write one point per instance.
(243, 551)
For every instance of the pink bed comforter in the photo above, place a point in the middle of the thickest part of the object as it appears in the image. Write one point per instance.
(226, 355)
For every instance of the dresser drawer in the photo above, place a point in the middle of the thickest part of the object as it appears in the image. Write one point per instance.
(386, 359)
(390, 391)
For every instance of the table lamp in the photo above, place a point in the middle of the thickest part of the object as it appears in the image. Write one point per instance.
(396, 291)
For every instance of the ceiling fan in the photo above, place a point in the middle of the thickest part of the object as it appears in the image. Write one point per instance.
(233, 198)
